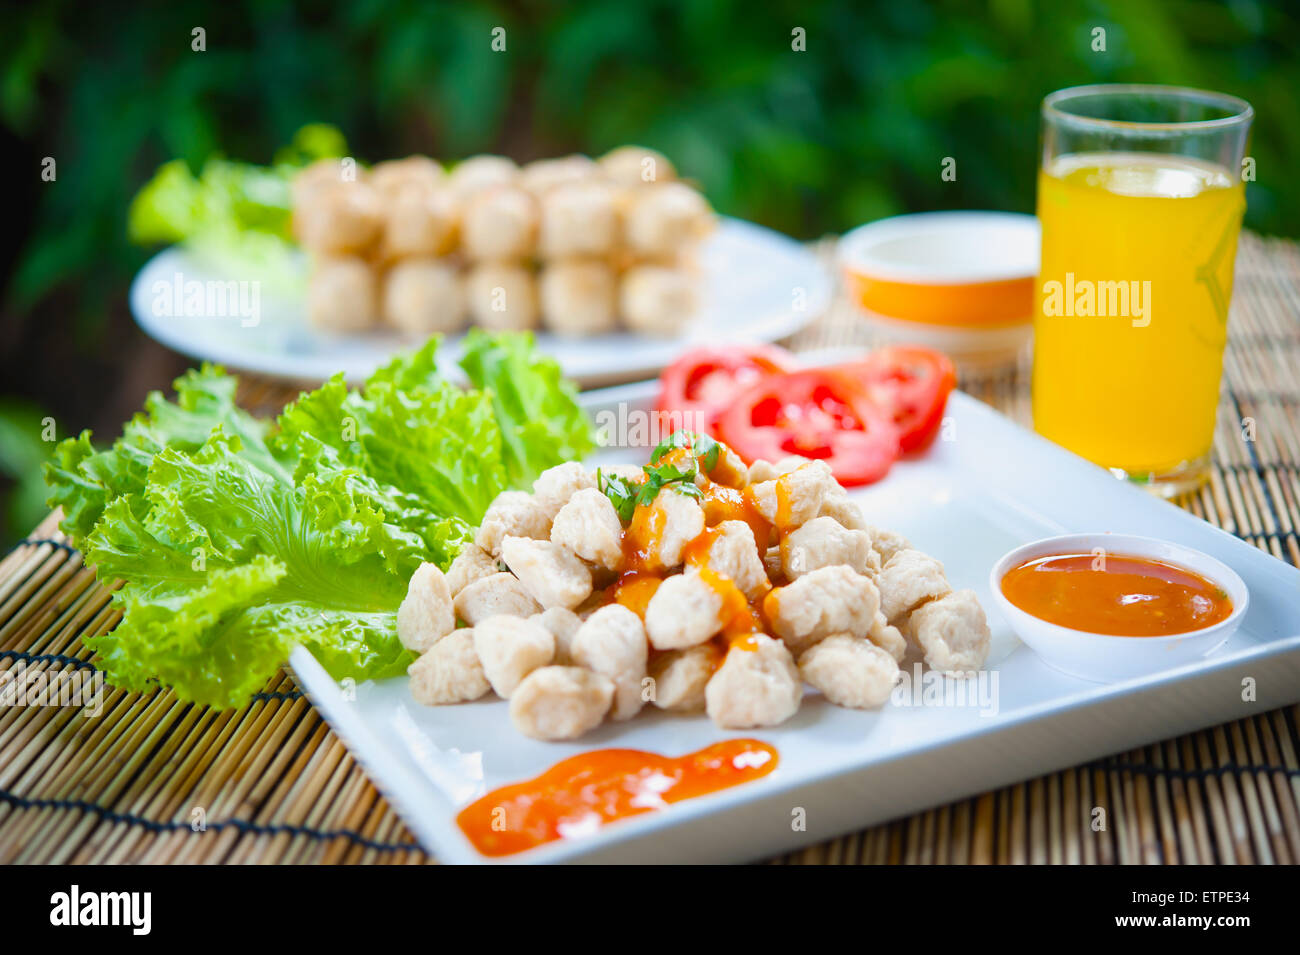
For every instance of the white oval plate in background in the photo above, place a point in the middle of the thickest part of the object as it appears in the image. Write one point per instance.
(759, 286)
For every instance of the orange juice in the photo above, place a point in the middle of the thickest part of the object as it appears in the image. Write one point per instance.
(1132, 305)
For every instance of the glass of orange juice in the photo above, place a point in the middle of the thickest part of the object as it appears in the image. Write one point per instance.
(1140, 199)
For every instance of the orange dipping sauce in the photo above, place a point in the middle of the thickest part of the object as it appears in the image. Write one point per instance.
(577, 796)
(1116, 595)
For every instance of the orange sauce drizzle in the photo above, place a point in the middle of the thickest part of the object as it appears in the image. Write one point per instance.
(642, 565)
(770, 609)
(642, 538)
(748, 642)
(727, 504)
(634, 589)
(784, 503)
(579, 795)
(739, 617)
(643, 572)
(696, 553)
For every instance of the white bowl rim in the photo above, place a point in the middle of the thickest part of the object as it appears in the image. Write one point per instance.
(1225, 577)
(855, 247)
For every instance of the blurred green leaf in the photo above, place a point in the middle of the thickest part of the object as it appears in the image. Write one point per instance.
(808, 141)
(22, 451)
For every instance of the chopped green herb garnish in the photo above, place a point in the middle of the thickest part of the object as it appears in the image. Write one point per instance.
(701, 445)
(621, 492)
(627, 495)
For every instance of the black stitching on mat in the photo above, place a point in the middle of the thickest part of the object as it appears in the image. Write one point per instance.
(38, 541)
(47, 658)
(1270, 535)
(1264, 535)
(108, 815)
(279, 695)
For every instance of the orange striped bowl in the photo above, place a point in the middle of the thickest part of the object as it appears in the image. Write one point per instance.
(962, 282)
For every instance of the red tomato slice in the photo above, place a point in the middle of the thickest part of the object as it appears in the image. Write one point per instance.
(702, 382)
(913, 383)
(818, 413)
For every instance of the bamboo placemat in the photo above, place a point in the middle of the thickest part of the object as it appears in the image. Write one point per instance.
(152, 779)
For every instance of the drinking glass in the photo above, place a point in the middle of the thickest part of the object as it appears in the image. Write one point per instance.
(1140, 200)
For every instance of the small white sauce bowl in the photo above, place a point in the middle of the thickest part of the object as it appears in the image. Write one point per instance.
(1105, 658)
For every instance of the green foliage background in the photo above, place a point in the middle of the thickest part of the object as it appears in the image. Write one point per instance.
(852, 129)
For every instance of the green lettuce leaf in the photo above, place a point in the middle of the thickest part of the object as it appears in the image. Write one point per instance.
(230, 567)
(538, 412)
(85, 480)
(233, 216)
(239, 539)
(411, 429)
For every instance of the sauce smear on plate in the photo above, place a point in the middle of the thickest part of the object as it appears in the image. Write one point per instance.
(577, 796)
(1116, 595)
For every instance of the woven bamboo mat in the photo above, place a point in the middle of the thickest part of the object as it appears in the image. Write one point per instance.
(152, 779)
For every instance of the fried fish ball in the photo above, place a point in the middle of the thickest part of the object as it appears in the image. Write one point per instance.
(847, 514)
(342, 294)
(825, 601)
(888, 637)
(578, 219)
(656, 299)
(481, 172)
(665, 220)
(849, 671)
(578, 297)
(729, 469)
(510, 648)
(636, 166)
(450, 672)
(887, 543)
(555, 486)
(394, 175)
(678, 520)
(470, 564)
(612, 641)
(554, 575)
(502, 296)
(907, 580)
(425, 615)
(797, 496)
(499, 223)
(563, 624)
(541, 176)
(685, 610)
(323, 173)
(757, 685)
(422, 296)
(339, 219)
(494, 595)
(733, 553)
(513, 513)
(589, 526)
(761, 471)
(823, 542)
(419, 222)
(681, 676)
(952, 631)
(560, 702)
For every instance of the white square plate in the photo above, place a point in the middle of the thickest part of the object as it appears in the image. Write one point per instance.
(970, 499)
